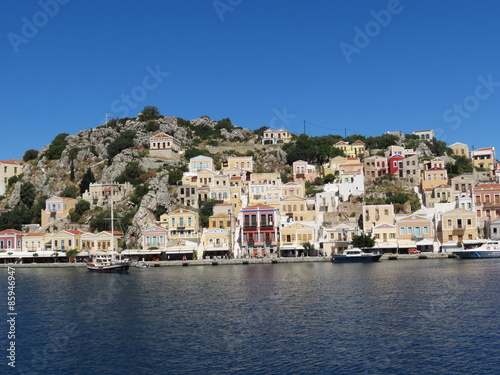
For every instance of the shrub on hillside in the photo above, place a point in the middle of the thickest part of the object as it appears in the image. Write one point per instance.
(30, 154)
(125, 140)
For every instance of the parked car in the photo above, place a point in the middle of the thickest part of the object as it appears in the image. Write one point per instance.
(414, 251)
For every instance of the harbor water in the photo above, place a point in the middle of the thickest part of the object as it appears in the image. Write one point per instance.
(391, 317)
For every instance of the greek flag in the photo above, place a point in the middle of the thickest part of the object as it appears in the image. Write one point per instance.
(109, 115)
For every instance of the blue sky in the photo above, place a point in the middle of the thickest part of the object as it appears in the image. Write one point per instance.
(342, 66)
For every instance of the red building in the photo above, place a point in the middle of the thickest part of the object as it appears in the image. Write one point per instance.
(396, 165)
(487, 201)
(11, 239)
(259, 230)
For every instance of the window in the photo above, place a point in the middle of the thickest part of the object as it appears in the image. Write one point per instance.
(402, 231)
(426, 230)
(410, 230)
(449, 223)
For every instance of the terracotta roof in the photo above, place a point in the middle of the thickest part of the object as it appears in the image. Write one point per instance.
(8, 162)
(35, 234)
(10, 231)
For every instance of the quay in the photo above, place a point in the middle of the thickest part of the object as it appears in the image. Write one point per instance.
(217, 262)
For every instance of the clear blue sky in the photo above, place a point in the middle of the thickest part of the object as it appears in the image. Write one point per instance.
(423, 65)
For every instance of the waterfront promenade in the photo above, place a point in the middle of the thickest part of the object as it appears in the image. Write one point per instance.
(217, 262)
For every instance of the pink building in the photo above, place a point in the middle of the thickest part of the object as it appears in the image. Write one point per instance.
(303, 171)
(11, 239)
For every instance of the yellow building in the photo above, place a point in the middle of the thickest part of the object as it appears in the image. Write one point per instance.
(8, 169)
(460, 149)
(98, 242)
(295, 208)
(434, 177)
(218, 242)
(56, 208)
(351, 150)
(221, 221)
(385, 236)
(67, 240)
(457, 225)
(240, 162)
(484, 158)
(292, 236)
(181, 224)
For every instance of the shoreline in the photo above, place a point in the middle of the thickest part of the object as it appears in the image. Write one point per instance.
(217, 262)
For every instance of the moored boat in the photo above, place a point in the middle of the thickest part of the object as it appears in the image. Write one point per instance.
(355, 256)
(108, 263)
(490, 249)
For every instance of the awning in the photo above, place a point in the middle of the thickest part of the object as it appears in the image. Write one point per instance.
(407, 243)
(292, 247)
(385, 245)
(425, 243)
(217, 249)
(141, 252)
(179, 250)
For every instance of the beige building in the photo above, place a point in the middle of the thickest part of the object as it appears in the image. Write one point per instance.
(271, 178)
(293, 236)
(374, 215)
(102, 241)
(8, 169)
(273, 137)
(434, 175)
(385, 236)
(295, 208)
(460, 149)
(240, 162)
(462, 185)
(336, 239)
(375, 167)
(484, 158)
(56, 208)
(35, 241)
(200, 163)
(100, 194)
(332, 166)
(164, 146)
(293, 189)
(457, 225)
(218, 242)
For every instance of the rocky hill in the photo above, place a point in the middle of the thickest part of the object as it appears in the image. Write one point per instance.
(58, 168)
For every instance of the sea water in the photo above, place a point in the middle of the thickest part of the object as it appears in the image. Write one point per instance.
(391, 317)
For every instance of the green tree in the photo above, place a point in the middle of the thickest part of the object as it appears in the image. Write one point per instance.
(30, 154)
(69, 191)
(123, 141)
(207, 210)
(152, 126)
(28, 194)
(193, 152)
(133, 173)
(149, 113)
(175, 176)
(57, 147)
(87, 179)
(71, 254)
(363, 241)
(309, 248)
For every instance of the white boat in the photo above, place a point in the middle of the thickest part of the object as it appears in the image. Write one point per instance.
(141, 265)
(109, 262)
(490, 249)
(355, 256)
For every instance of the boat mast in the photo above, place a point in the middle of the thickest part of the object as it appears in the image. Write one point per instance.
(112, 228)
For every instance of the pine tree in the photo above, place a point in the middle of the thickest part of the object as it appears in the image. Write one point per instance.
(87, 179)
